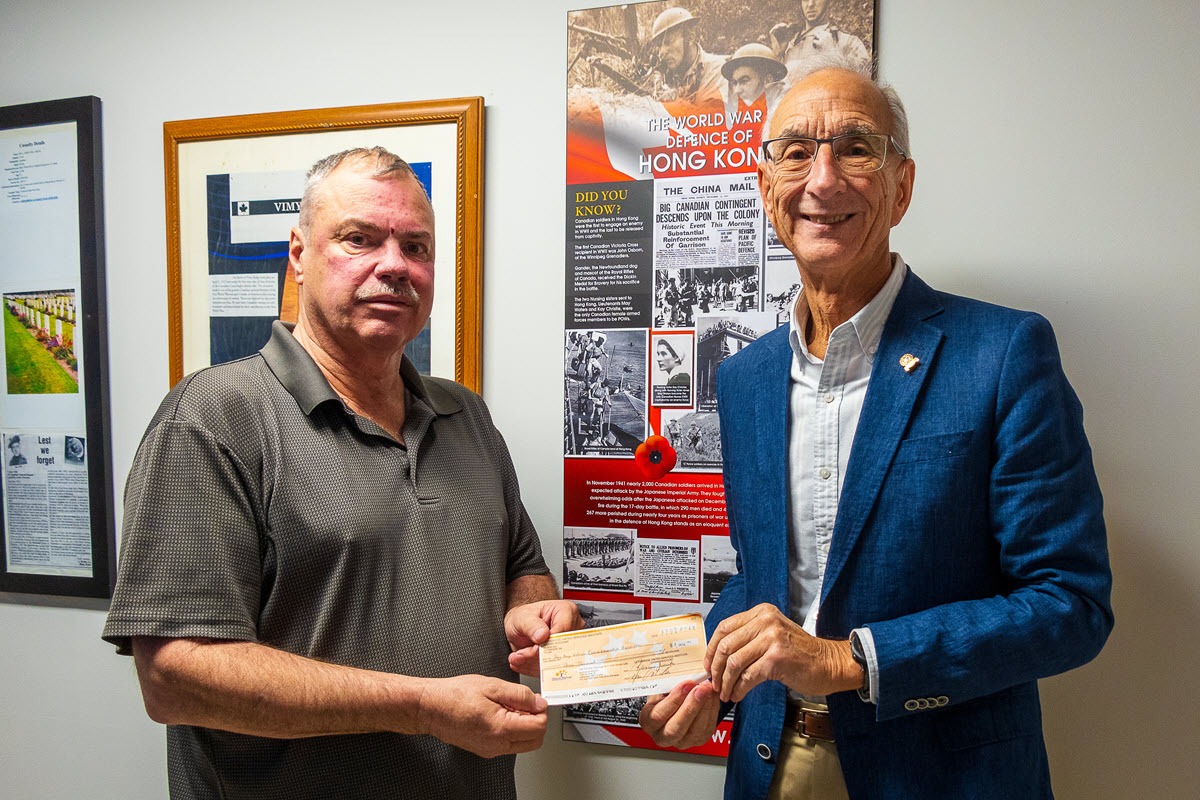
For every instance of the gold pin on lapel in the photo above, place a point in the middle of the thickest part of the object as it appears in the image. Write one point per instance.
(909, 362)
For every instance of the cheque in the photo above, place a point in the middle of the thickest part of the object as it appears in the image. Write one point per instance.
(632, 659)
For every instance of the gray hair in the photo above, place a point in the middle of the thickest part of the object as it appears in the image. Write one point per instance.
(387, 164)
(838, 59)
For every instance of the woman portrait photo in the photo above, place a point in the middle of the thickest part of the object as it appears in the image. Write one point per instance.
(672, 381)
(670, 363)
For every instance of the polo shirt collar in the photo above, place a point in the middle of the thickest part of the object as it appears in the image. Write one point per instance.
(299, 374)
(430, 391)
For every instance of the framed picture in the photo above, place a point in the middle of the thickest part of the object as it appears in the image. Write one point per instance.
(233, 193)
(56, 477)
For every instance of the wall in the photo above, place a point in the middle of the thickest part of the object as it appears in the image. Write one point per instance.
(1038, 186)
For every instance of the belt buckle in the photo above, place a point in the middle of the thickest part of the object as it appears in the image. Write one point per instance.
(805, 715)
(822, 730)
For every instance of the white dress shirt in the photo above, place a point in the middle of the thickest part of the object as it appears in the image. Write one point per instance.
(825, 399)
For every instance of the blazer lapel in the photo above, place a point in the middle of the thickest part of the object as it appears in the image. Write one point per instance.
(771, 437)
(891, 394)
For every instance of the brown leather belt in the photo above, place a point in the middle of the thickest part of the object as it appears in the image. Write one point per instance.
(809, 723)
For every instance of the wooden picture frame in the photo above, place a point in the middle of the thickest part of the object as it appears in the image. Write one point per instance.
(245, 149)
(57, 536)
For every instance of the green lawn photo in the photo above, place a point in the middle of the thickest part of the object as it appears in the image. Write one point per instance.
(31, 368)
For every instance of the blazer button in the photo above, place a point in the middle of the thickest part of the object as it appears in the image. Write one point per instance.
(764, 752)
(911, 705)
(943, 701)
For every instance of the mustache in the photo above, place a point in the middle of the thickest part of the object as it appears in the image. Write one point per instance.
(402, 290)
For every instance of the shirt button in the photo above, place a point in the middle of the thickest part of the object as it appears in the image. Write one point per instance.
(829, 397)
(825, 473)
(871, 350)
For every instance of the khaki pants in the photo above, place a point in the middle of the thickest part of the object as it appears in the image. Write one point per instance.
(807, 769)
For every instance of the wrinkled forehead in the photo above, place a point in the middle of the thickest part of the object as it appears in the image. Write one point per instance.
(360, 180)
(829, 103)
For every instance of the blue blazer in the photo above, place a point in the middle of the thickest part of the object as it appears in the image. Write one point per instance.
(969, 539)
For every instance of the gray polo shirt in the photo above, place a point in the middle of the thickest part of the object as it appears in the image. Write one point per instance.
(261, 508)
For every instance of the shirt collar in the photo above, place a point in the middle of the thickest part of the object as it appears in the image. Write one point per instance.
(299, 374)
(867, 323)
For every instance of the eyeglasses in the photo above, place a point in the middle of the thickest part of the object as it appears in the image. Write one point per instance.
(855, 153)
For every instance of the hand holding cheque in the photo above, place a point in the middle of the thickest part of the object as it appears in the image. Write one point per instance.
(747, 649)
(529, 625)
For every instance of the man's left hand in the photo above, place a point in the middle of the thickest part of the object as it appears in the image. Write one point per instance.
(531, 624)
(763, 644)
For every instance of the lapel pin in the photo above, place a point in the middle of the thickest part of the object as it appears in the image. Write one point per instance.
(909, 362)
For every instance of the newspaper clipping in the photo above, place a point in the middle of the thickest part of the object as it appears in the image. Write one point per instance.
(46, 503)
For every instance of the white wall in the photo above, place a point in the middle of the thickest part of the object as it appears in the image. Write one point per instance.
(1037, 187)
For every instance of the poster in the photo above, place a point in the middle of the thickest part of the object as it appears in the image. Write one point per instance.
(671, 267)
(46, 506)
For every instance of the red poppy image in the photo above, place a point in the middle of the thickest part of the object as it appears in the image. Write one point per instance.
(655, 457)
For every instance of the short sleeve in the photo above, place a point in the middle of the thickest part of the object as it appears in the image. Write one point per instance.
(524, 547)
(191, 560)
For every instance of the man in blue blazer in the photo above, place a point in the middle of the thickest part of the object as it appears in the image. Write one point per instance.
(911, 497)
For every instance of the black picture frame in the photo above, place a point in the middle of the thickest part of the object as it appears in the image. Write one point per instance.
(91, 322)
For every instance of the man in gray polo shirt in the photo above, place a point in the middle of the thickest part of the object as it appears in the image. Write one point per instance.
(327, 574)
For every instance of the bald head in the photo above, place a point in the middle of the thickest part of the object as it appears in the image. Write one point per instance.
(836, 61)
(830, 102)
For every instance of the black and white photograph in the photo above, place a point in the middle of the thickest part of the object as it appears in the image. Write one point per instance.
(781, 285)
(683, 295)
(718, 336)
(718, 563)
(599, 559)
(646, 49)
(597, 613)
(696, 437)
(16, 454)
(671, 373)
(605, 405)
(74, 450)
(622, 712)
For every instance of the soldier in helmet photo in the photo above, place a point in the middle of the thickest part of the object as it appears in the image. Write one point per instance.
(751, 72)
(685, 71)
(821, 37)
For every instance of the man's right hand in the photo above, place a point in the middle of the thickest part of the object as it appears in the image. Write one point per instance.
(686, 717)
(487, 716)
